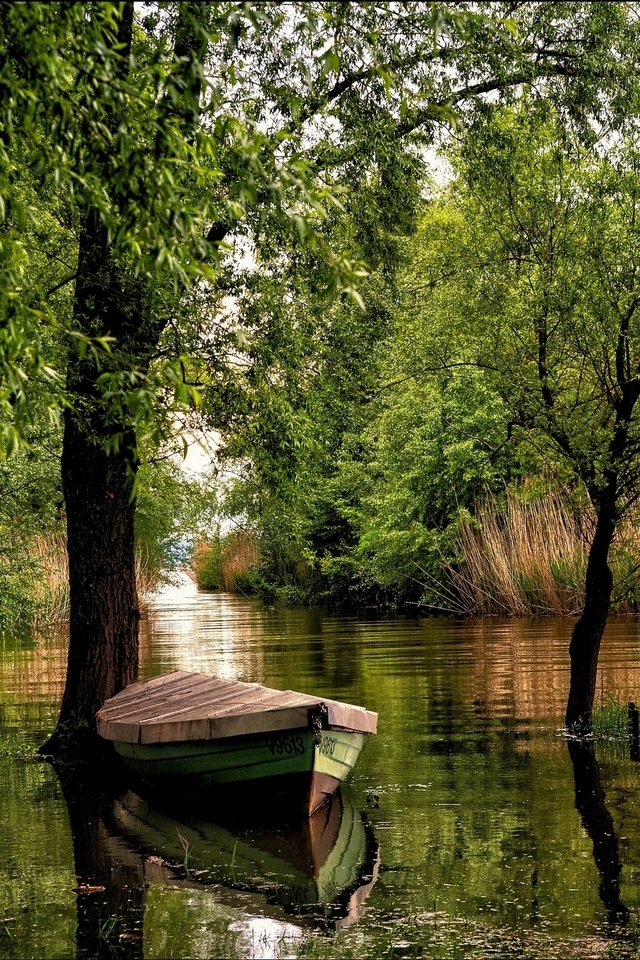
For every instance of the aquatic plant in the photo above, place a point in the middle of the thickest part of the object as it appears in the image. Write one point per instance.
(610, 719)
(186, 846)
(106, 928)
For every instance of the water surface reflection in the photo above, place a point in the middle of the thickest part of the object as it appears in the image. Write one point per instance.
(496, 839)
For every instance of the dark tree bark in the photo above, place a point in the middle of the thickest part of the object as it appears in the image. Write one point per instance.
(99, 464)
(589, 629)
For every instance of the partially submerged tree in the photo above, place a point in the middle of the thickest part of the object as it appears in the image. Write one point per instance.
(151, 143)
(539, 290)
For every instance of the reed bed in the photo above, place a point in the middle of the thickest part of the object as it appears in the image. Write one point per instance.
(48, 551)
(530, 557)
(240, 554)
(50, 562)
(220, 564)
(148, 577)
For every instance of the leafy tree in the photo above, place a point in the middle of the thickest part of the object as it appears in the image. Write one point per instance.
(31, 527)
(295, 412)
(438, 447)
(155, 142)
(540, 293)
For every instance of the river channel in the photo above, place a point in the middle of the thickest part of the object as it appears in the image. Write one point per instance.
(471, 828)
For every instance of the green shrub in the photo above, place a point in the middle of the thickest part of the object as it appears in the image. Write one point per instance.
(207, 565)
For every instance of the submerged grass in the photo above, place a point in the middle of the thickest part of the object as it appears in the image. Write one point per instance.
(611, 719)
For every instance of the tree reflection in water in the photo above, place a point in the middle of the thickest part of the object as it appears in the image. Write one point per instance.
(590, 802)
(110, 877)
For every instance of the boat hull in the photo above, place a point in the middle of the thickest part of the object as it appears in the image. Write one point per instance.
(299, 768)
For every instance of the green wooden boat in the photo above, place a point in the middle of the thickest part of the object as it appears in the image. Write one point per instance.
(206, 737)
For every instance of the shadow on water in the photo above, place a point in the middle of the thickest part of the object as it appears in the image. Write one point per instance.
(317, 872)
(590, 800)
(110, 892)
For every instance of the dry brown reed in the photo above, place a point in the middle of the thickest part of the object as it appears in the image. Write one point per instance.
(530, 558)
(147, 577)
(240, 554)
(219, 564)
(48, 551)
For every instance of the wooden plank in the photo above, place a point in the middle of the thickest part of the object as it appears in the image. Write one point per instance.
(123, 704)
(194, 691)
(183, 705)
(199, 705)
(271, 721)
(234, 724)
(145, 686)
(116, 730)
(204, 703)
(274, 721)
(159, 693)
(193, 722)
(269, 700)
(206, 686)
(246, 701)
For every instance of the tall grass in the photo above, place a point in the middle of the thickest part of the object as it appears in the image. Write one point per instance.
(610, 719)
(148, 576)
(525, 558)
(224, 563)
(50, 587)
(240, 555)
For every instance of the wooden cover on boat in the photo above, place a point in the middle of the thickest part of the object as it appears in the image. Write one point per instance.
(191, 706)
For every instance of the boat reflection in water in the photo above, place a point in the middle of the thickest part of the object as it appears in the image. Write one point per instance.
(319, 869)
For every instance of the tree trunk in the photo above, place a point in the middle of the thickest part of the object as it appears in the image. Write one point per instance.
(99, 451)
(99, 465)
(587, 633)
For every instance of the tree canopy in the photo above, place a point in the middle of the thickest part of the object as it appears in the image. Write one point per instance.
(203, 206)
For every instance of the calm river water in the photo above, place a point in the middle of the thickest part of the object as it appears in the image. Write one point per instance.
(470, 828)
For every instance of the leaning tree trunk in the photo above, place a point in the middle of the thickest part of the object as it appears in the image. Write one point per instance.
(589, 629)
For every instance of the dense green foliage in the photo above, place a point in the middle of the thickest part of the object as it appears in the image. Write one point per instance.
(506, 357)
(262, 247)
(31, 516)
(327, 147)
